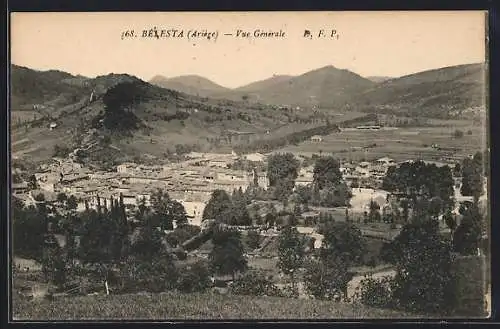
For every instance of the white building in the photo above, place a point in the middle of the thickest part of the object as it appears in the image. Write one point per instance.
(316, 139)
(125, 167)
(255, 157)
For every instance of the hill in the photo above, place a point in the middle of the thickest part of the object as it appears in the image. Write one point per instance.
(151, 122)
(440, 93)
(176, 306)
(378, 79)
(263, 84)
(189, 84)
(52, 88)
(326, 87)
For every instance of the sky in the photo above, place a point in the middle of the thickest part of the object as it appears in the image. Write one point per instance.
(369, 43)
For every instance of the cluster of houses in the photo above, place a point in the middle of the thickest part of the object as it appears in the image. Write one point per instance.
(364, 173)
(190, 182)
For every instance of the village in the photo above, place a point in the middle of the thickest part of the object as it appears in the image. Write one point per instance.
(192, 181)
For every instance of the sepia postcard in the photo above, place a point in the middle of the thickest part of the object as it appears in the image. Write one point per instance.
(174, 166)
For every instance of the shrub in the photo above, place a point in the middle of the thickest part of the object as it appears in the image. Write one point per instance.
(181, 234)
(157, 276)
(290, 291)
(194, 278)
(61, 151)
(458, 133)
(423, 275)
(255, 283)
(375, 292)
(327, 280)
(253, 239)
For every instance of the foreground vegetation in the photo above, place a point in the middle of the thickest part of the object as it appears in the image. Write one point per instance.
(147, 255)
(171, 305)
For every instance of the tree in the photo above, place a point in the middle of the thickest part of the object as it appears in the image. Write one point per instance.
(472, 176)
(270, 219)
(219, 205)
(468, 235)
(374, 214)
(181, 234)
(335, 195)
(458, 134)
(28, 227)
(291, 252)
(53, 262)
(95, 240)
(450, 221)
(326, 172)
(414, 179)
(327, 279)
(194, 278)
(152, 276)
(167, 211)
(32, 183)
(457, 170)
(422, 258)
(282, 171)
(72, 203)
(148, 244)
(118, 101)
(62, 197)
(254, 283)
(227, 255)
(253, 239)
(239, 213)
(343, 241)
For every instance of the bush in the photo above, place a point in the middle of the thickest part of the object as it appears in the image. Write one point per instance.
(289, 291)
(327, 280)
(181, 234)
(423, 275)
(375, 292)
(458, 134)
(157, 276)
(255, 283)
(195, 278)
(253, 239)
(61, 151)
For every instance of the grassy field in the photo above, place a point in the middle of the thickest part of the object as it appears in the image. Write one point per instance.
(174, 306)
(400, 144)
(23, 116)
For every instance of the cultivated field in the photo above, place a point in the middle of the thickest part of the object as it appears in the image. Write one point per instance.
(174, 306)
(399, 143)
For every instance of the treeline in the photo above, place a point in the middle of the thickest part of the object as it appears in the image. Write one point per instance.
(295, 138)
(178, 115)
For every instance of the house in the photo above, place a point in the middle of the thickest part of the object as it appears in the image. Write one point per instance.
(303, 181)
(385, 161)
(255, 157)
(363, 169)
(261, 179)
(20, 188)
(75, 178)
(368, 127)
(221, 163)
(310, 217)
(316, 139)
(125, 167)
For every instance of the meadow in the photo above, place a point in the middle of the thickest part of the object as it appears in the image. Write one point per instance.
(175, 306)
(399, 143)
